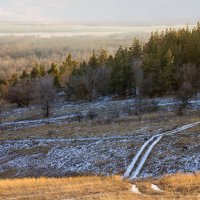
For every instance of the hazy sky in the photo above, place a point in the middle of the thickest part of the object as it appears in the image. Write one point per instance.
(130, 11)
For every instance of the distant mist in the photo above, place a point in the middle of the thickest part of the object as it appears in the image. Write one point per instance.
(69, 30)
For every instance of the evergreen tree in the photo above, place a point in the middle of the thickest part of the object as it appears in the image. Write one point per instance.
(103, 58)
(53, 70)
(35, 73)
(42, 70)
(13, 80)
(135, 51)
(68, 65)
(57, 81)
(122, 76)
(24, 75)
(93, 61)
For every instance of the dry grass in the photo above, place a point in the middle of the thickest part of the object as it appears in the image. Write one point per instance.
(178, 186)
(184, 184)
(46, 188)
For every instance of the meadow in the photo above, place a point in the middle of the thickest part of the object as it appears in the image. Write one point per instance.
(179, 186)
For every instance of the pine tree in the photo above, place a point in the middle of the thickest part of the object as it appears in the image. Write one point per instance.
(122, 76)
(68, 65)
(53, 70)
(103, 58)
(93, 61)
(35, 73)
(135, 51)
(24, 75)
(42, 70)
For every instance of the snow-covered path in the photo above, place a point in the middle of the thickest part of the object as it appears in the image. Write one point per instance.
(141, 157)
(37, 122)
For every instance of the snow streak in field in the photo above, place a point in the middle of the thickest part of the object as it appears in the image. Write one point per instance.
(152, 142)
(138, 169)
(135, 159)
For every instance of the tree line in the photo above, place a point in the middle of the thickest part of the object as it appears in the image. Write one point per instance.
(168, 64)
(18, 53)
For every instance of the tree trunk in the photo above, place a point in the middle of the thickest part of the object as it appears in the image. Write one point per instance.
(47, 109)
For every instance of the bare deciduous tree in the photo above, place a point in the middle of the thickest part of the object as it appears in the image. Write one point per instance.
(103, 79)
(3, 105)
(20, 93)
(91, 84)
(89, 80)
(138, 75)
(44, 94)
(185, 92)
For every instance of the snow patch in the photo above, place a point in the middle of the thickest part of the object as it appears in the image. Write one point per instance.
(134, 189)
(156, 188)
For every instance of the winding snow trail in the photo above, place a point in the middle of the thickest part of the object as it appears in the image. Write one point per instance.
(144, 158)
(144, 152)
(135, 159)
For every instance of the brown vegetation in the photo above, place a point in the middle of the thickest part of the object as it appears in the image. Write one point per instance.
(178, 186)
(151, 122)
(44, 94)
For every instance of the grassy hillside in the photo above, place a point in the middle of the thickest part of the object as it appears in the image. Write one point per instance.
(179, 186)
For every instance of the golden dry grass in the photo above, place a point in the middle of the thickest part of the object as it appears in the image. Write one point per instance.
(178, 186)
(184, 184)
(52, 188)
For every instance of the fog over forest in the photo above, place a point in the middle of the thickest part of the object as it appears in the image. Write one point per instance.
(25, 44)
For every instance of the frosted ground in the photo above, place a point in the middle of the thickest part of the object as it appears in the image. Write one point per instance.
(100, 154)
(66, 112)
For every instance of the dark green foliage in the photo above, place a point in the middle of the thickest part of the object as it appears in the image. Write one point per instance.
(24, 75)
(103, 58)
(68, 65)
(166, 55)
(13, 79)
(156, 68)
(122, 73)
(93, 61)
(3, 88)
(42, 70)
(136, 51)
(35, 73)
(53, 70)
(57, 80)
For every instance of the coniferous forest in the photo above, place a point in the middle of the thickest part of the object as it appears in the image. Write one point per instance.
(166, 64)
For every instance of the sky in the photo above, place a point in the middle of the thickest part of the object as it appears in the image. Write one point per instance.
(144, 12)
